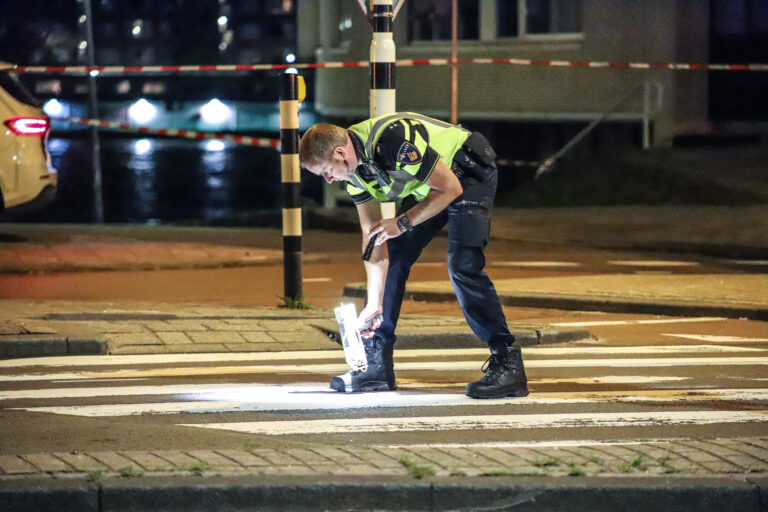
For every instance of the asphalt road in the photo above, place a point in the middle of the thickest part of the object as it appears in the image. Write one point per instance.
(642, 377)
(585, 391)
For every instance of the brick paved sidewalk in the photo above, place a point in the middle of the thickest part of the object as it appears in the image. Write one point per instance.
(699, 458)
(52, 328)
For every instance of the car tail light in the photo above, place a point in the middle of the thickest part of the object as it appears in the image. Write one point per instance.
(32, 126)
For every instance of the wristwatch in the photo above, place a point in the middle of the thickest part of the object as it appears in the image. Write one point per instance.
(404, 223)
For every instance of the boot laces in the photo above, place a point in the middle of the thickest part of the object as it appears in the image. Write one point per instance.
(492, 367)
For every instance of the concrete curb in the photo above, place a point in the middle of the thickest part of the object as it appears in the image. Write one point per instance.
(20, 346)
(306, 493)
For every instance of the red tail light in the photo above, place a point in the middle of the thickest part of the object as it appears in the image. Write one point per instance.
(32, 126)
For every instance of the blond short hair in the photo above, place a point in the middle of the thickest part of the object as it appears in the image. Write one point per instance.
(318, 143)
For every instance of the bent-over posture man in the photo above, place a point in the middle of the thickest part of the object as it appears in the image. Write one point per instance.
(442, 174)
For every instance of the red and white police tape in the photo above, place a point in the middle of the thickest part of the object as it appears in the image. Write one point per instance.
(237, 139)
(402, 62)
(189, 134)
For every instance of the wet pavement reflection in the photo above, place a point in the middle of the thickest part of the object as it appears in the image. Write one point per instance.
(161, 180)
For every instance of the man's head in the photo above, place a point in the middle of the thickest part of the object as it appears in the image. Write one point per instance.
(326, 150)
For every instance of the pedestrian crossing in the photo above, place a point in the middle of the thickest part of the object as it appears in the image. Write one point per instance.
(597, 389)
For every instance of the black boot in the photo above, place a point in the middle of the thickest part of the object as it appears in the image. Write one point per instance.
(504, 376)
(380, 375)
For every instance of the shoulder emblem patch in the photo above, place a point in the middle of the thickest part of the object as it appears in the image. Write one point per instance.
(408, 154)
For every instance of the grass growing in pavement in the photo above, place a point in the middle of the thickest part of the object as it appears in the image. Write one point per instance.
(416, 470)
(129, 471)
(199, 467)
(295, 303)
(95, 475)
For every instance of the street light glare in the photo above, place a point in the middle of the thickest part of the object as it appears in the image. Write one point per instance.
(142, 111)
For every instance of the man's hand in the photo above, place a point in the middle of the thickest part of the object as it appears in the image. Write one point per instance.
(368, 314)
(386, 229)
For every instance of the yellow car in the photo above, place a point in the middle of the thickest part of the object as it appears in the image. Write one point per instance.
(27, 179)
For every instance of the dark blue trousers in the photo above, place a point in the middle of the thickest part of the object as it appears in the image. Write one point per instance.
(468, 219)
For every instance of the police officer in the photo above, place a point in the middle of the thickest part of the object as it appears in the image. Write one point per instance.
(441, 174)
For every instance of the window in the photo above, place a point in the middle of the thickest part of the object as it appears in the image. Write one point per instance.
(430, 20)
(517, 18)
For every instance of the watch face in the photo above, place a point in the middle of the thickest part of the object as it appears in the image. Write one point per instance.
(403, 223)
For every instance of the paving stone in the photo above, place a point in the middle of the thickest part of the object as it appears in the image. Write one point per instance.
(114, 461)
(80, 461)
(174, 337)
(186, 325)
(157, 326)
(213, 459)
(306, 456)
(215, 337)
(276, 457)
(356, 470)
(127, 350)
(139, 338)
(220, 325)
(178, 459)
(257, 336)
(195, 347)
(299, 336)
(288, 470)
(337, 455)
(245, 459)
(245, 324)
(15, 465)
(149, 461)
(47, 462)
(501, 456)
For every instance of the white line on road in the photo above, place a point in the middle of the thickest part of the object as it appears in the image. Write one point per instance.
(653, 263)
(535, 264)
(347, 426)
(440, 366)
(718, 339)
(262, 398)
(304, 355)
(639, 322)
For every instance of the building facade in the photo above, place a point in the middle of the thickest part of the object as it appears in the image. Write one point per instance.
(654, 31)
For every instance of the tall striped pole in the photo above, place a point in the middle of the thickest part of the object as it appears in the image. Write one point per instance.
(382, 70)
(291, 186)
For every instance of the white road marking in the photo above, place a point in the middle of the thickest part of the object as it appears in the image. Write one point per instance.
(263, 398)
(748, 262)
(653, 263)
(717, 339)
(535, 264)
(510, 421)
(532, 444)
(638, 322)
(304, 355)
(335, 368)
(610, 379)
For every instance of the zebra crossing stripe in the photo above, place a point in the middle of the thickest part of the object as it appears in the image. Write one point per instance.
(638, 322)
(718, 339)
(264, 398)
(347, 426)
(307, 355)
(335, 368)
